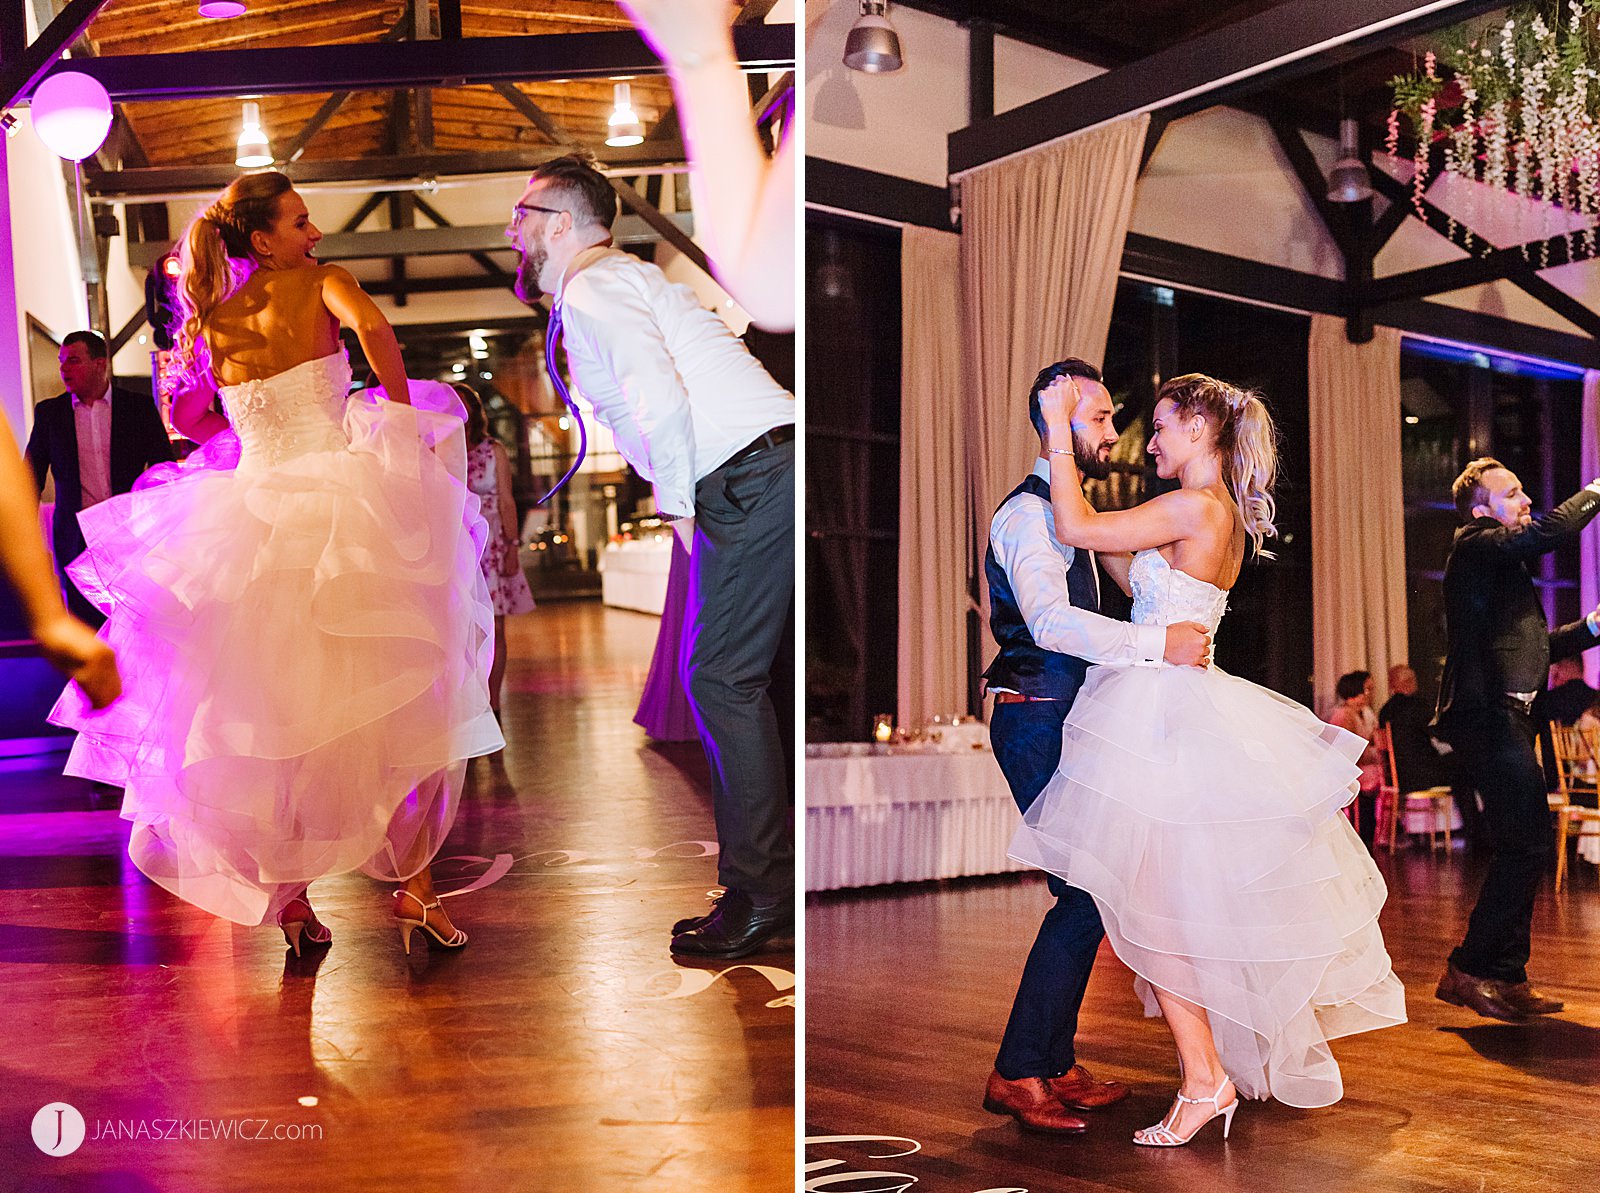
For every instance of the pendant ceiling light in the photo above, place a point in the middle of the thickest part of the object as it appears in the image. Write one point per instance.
(253, 148)
(872, 45)
(221, 10)
(623, 125)
(1348, 181)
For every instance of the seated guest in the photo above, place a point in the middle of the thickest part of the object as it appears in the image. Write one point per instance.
(1420, 761)
(1354, 713)
(1568, 698)
(1417, 759)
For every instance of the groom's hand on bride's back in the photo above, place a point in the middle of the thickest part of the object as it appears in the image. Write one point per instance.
(1188, 645)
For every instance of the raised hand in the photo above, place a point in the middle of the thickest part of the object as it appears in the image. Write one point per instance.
(1058, 401)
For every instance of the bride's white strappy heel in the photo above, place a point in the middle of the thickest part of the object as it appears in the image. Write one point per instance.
(1162, 1134)
(407, 925)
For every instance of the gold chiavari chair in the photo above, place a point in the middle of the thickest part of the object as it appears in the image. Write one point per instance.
(1577, 758)
(1392, 802)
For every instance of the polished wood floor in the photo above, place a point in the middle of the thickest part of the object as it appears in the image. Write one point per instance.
(562, 1050)
(907, 992)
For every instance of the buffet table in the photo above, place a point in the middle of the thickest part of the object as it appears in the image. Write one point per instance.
(879, 814)
(633, 574)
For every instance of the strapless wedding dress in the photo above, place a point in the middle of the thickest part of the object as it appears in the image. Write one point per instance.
(1202, 812)
(304, 637)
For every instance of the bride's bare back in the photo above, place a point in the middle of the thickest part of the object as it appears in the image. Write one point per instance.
(1214, 552)
(278, 319)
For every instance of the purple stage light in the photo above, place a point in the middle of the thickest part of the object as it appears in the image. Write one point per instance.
(221, 10)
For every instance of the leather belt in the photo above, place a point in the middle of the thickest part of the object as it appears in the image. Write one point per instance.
(1520, 702)
(772, 438)
(1018, 698)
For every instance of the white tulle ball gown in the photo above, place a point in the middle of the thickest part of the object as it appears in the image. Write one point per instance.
(1202, 812)
(304, 636)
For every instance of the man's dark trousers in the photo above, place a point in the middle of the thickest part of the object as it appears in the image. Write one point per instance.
(1044, 1017)
(1497, 754)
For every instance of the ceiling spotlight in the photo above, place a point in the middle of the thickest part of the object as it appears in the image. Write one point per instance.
(253, 147)
(1348, 181)
(221, 10)
(873, 45)
(623, 125)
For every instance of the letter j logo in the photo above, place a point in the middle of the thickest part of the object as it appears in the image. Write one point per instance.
(58, 1129)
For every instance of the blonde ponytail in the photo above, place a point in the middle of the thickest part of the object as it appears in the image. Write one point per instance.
(1248, 443)
(1253, 468)
(215, 258)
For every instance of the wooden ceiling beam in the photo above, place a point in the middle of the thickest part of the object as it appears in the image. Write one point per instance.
(131, 184)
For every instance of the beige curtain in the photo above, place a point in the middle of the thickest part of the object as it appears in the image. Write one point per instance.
(1041, 243)
(1358, 564)
(1589, 543)
(935, 524)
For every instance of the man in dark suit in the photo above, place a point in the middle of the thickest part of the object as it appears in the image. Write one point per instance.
(1044, 611)
(1497, 660)
(96, 439)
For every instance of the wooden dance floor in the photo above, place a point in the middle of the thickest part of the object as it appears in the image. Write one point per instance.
(561, 1051)
(907, 992)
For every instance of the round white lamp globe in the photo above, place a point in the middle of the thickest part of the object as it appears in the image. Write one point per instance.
(72, 114)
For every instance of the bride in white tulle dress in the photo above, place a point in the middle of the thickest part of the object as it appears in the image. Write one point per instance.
(1202, 811)
(303, 629)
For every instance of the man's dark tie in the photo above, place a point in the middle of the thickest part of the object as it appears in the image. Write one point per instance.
(552, 336)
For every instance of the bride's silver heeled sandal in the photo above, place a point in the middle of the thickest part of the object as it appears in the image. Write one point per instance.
(1162, 1134)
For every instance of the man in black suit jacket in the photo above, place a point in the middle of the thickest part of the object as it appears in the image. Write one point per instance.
(97, 440)
(1497, 661)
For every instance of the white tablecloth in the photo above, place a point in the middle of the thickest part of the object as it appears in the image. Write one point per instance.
(905, 817)
(633, 575)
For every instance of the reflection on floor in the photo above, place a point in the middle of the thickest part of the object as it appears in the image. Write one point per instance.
(907, 992)
(561, 1050)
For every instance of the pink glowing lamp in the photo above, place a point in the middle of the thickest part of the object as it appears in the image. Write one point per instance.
(72, 114)
(221, 10)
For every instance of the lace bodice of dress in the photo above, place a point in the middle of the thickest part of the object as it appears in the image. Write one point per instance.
(291, 413)
(1163, 595)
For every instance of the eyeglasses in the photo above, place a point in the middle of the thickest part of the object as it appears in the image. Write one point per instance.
(522, 209)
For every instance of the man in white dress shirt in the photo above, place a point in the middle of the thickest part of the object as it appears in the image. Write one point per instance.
(1044, 600)
(695, 415)
(96, 440)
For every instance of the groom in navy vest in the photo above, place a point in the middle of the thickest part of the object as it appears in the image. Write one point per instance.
(1044, 601)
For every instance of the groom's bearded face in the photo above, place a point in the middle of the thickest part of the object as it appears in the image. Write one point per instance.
(526, 287)
(1094, 458)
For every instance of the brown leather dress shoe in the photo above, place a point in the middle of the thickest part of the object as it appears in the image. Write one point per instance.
(1523, 997)
(1477, 994)
(1077, 1089)
(1031, 1103)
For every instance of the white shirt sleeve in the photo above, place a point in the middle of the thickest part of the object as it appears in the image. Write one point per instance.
(613, 320)
(1026, 547)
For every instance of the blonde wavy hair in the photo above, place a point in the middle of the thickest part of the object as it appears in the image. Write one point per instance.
(215, 257)
(1247, 440)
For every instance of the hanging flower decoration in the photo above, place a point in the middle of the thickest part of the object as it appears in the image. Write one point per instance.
(1514, 107)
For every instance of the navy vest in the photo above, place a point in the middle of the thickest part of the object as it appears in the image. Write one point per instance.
(1022, 664)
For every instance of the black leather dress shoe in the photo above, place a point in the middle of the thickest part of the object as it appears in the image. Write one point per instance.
(736, 929)
(699, 921)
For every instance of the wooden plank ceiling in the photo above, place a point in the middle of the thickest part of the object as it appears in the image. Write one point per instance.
(463, 119)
